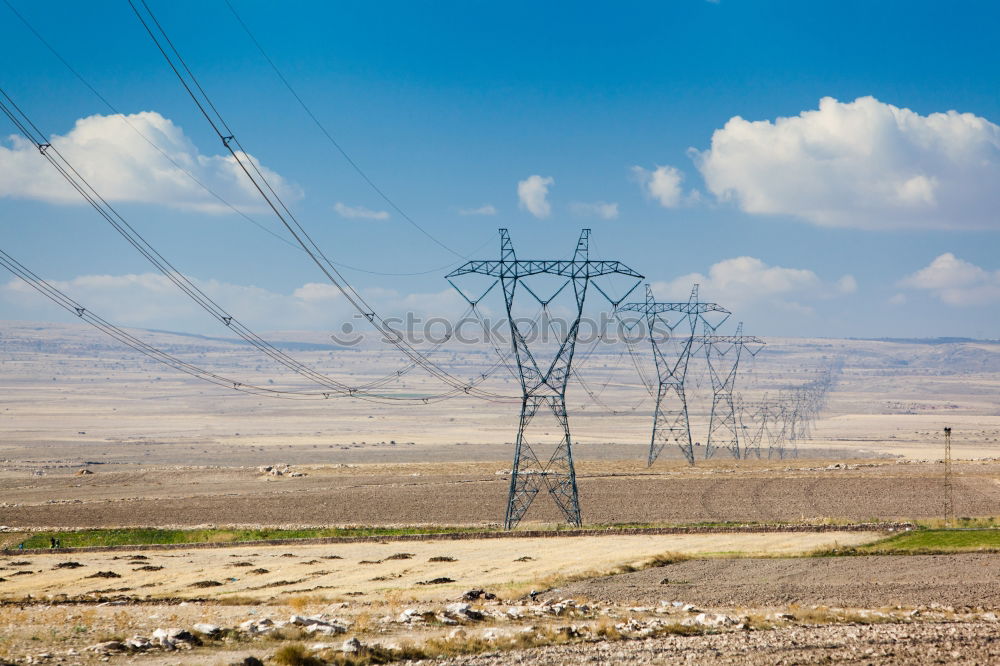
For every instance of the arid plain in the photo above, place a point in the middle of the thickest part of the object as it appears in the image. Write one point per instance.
(94, 437)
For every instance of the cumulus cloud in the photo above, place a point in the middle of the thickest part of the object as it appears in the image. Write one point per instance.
(743, 281)
(533, 192)
(662, 183)
(150, 300)
(604, 210)
(111, 153)
(485, 209)
(359, 212)
(956, 282)
(863, 164)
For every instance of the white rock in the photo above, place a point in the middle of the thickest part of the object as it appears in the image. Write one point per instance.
(207, 629)
(352, 645)
(710, 620)
(138, 643)
(106, 646)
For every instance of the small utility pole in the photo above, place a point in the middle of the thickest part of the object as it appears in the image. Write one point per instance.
(949, 505)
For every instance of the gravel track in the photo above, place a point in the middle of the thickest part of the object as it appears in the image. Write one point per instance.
(924, 643)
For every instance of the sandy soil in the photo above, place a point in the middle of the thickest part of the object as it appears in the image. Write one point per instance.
(968, 579)
(367, 568)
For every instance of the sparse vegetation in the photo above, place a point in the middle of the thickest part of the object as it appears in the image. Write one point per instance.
(925, 542)
(662, 560)
(150, 536)
(295, 654)
(156, 536)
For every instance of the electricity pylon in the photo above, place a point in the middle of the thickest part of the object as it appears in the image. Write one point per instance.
(540, 386)
(722, 423)
(671, 422)
(753, 422)
(949, 499)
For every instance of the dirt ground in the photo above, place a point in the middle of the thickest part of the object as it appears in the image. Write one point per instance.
(474, 493)
(929, 643)
(960, 580)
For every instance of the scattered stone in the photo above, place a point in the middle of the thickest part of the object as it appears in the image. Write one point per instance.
(400, 556)
(256, 627)
(411, 615)
(207, 629)
(710, 620)
(352, 645)
(105, 574)
(107, 647)
(462, 612)
(442, 558)
(258, 571)
(138, 643)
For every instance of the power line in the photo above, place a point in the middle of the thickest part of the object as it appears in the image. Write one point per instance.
(211, 114)
(73, 307)
(52, 154)
(124, 118)
(336, 144)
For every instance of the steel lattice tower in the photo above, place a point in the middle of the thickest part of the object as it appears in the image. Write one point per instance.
(722, 423)
(949, 499)
(671, 422)
(753, 434)
(543, 387)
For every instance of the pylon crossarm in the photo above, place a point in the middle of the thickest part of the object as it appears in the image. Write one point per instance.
(474, 302)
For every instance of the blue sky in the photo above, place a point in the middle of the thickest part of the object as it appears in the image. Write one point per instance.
(871, 214)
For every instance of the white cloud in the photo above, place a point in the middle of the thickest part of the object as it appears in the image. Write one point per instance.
(359, 212)
(847, 284)
(122, 166)
(663, 184)
(604, 210)
(532, 193)
(150, 300)
(485, 209)
(863, 164)
(956, 282)
(740, 282)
